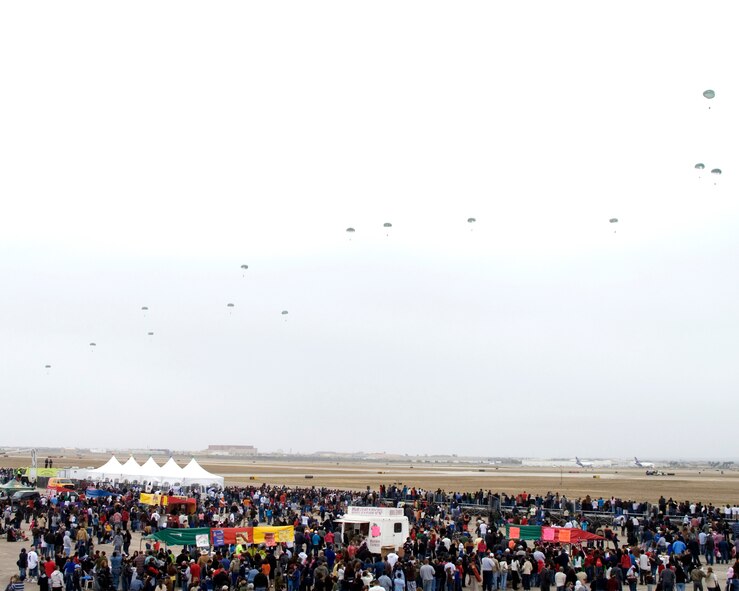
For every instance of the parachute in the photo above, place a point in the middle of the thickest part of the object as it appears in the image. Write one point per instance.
(613, 220)
(151, 334)
(145, 308)
(229, 305)
(471, 220)
(716, 171)
(350, 230)
(284, 312)
(700, 166)
(387, 225)
(709, 94)
(47, 366)
(245, 267)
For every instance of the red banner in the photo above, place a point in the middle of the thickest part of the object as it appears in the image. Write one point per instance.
(238, 535)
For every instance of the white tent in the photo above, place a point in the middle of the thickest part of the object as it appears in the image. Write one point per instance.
(151, 471)
(194, 473)
(111, 470)
(171, 473)
(131, 471)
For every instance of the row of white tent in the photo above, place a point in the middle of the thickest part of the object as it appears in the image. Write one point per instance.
(169, 474)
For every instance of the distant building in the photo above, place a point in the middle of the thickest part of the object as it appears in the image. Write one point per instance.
(231, 450)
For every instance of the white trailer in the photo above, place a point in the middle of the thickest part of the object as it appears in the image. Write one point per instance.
(382, 527)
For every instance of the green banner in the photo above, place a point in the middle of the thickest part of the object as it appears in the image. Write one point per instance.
(523, 532)
(180, 536)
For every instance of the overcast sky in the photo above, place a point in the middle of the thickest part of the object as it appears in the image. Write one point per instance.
(149, 150)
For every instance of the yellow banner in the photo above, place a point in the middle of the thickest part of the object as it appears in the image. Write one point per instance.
(150, 499)
(284, 533)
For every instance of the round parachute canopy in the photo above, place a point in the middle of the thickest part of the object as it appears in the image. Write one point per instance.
(245, 267)
(350, 230)
(471, 220)
(716, 171)
(613, 220)
(284, 312)
(47, 366)
(93, 345)
(709, 94)
(230, 305)
(700, 166)
(144, 308)
(151, 334)
(387, 225)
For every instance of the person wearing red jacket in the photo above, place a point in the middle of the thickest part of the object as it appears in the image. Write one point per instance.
(194, 571)
(49, 567)
(625, 563)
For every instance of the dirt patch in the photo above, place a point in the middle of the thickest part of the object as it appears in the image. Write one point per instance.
(708, 486)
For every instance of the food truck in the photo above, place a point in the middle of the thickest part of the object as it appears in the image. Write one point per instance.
(384, 528)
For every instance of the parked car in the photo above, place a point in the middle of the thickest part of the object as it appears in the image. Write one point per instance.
(23, 496)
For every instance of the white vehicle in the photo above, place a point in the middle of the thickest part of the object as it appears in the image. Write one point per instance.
(639, 464)
(382, 527)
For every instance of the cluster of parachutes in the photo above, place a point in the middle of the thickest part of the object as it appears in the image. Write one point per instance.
(145, 309)
(701, 166)
(231, 305)
(716, 172)
(387, 226)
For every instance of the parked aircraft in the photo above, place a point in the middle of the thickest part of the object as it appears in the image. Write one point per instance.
(639, 464)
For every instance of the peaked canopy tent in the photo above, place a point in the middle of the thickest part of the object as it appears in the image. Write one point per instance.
(14, 485)
(151, 471)
(131, 471)
(110, 470)
(171, 473)
(113, 470)
(194, 473)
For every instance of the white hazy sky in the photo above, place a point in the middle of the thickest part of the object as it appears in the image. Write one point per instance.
(148, 149)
